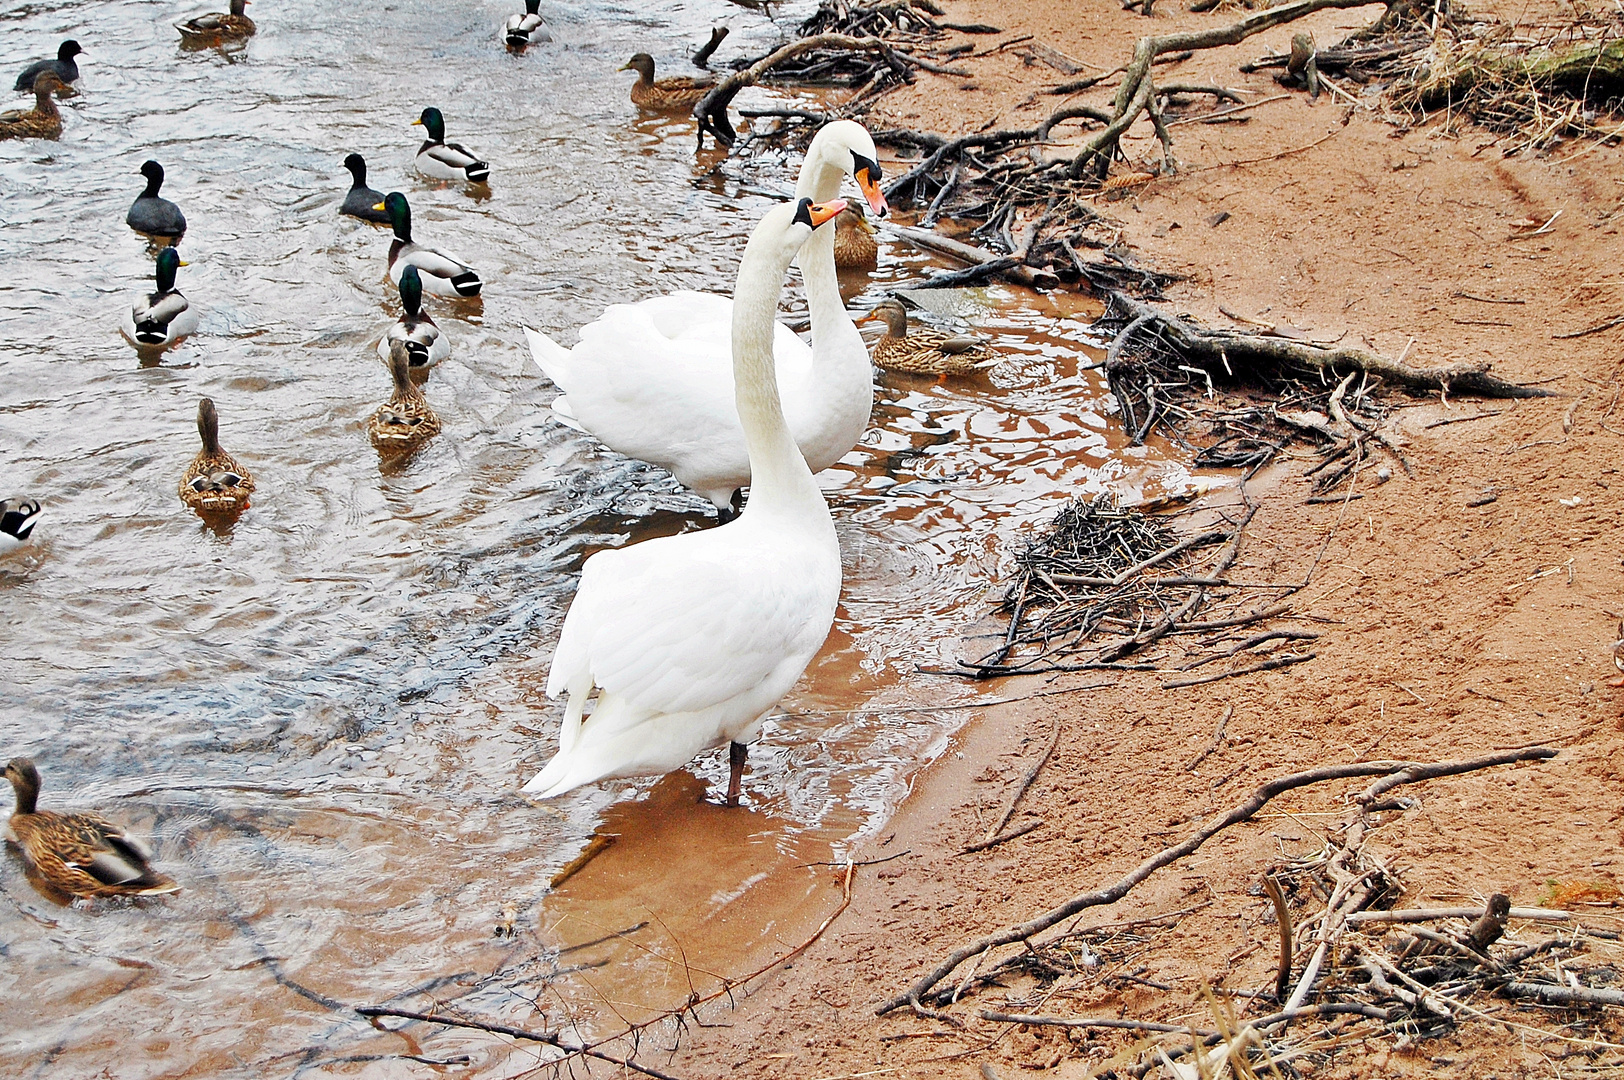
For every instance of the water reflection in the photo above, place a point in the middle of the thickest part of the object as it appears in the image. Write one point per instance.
(322, 716)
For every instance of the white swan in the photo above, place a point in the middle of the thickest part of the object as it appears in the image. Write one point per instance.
(653, 380)
(692, 639)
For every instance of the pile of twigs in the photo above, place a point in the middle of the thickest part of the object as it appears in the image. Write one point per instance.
(1105, 581)
(894, 20)
(1345, 972)
(1158, 382)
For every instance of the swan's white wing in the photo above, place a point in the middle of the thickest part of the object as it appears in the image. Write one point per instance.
(683, 623)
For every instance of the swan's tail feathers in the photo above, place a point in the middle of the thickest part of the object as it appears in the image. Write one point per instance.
(549, 355)
(564, 413)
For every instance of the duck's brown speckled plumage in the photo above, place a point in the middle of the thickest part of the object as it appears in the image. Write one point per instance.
(925, 351)
(672, 92)
(79, 854)
(214, 483)
(405, 422)
(43, 121)
(855, 246)
(217, 27)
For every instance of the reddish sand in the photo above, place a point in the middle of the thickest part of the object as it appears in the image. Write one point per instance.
(1446, 629)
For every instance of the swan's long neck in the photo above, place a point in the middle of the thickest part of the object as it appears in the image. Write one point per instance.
(820, 182)
(779, 477)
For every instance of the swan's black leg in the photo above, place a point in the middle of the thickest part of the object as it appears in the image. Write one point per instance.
(736, 753)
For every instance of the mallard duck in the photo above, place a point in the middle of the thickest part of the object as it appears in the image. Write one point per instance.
(674, 92)
(214, 483)
(425, 344)
(654, 380)
(63, 67)
(441, 274)
(217, 27)
(43, 121)
(855, 246)
(443, 160)
(405, 422)
(526, 29)
(165, 316)
(362, 202)
(17, 520)
(690, 640)
(153, 215)
(79, 854)
(924, 351)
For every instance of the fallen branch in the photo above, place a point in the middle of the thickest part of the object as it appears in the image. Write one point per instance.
(1219, 352)
(1398, 772)
(1267, 665)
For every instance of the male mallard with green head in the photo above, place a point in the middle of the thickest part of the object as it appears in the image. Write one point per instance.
(925, 351)
(79, 854)
(214, 483)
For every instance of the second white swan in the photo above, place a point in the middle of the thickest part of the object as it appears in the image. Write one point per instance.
(691, 639)
(654, 381)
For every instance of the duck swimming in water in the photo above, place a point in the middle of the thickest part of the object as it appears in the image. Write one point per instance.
(440, 273)
(362, 202)
(426, 345)
(165, 316)
(674, 92)
(446, 161)
(218, 27)
(80, 854)
(404, 422)
(17, 520)
(214, 483)
(526, 29)
(152, 214)
(43, 121)
(63, 67)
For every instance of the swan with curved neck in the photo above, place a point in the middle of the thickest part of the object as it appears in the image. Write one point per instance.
(654, 381)
(690, 640)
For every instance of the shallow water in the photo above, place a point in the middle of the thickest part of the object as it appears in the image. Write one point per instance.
(323, 715)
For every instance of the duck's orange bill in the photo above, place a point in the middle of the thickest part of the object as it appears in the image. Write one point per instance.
(821, 212)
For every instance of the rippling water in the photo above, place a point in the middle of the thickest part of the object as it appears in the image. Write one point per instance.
(322, 716)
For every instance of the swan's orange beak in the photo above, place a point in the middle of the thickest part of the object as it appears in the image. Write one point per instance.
(870, 188)
(822, 212)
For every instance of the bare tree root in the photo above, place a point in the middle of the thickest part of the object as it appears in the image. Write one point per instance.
(1393, 772)
(1221, 352)
(711, 110)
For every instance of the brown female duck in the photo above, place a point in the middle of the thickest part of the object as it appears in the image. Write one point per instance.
(79, 854)
(855, 246)
(43, 121)
(405, 422)
(214, 483)
(673, 92)
(217, 27)
(924, 351)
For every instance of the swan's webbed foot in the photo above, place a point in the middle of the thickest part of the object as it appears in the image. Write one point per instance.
(736, 753)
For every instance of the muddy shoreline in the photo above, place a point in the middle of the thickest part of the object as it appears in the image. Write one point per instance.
(1467, 609)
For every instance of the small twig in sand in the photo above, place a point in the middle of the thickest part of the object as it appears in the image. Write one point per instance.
(1271, 664)
(1282, 978)
(1217, 740)
(1026, 782)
